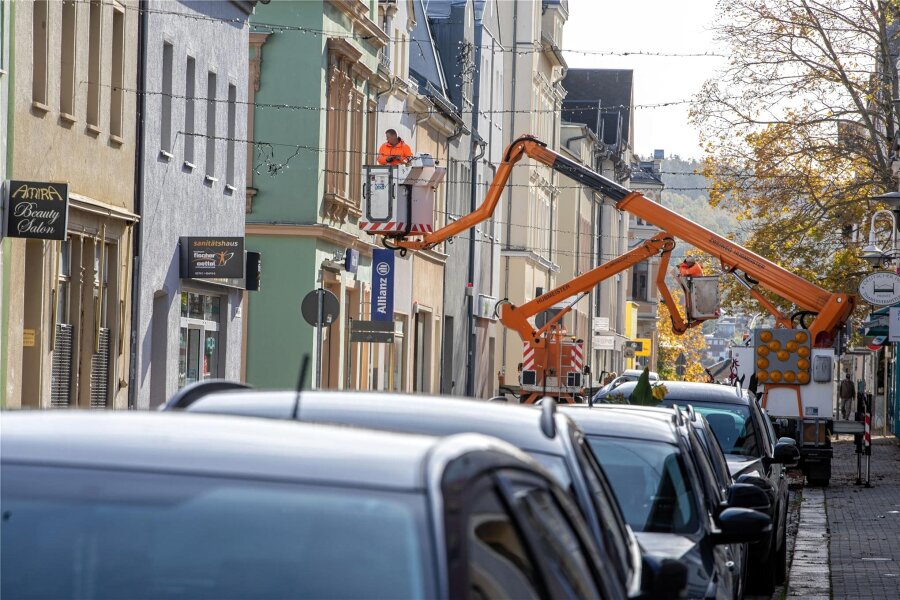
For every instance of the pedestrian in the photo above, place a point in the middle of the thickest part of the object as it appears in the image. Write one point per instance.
(519, 369)
(690, 268)
(394, 151)
(846, 392)
(609, 378)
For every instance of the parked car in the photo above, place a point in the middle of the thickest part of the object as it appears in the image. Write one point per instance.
(549, 437)
(754, 455)
(671, 496)
(156, 506)
(601, 396)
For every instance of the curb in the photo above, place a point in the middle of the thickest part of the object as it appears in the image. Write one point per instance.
(810, 575)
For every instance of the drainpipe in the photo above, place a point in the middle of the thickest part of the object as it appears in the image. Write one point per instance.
(138, 209)
(471, 339)
(512, 129)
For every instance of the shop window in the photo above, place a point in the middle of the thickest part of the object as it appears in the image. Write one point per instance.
(94, 58)
(117, 75)
(40, 40)
(198, 357)
(67, 60)
(398, 356)
(190, 83)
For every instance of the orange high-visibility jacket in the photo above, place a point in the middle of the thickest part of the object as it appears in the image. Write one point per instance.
(690, 271)
(401, 150)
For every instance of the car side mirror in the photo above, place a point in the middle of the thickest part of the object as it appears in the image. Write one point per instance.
(664, 578)
(498, 399)
(741, 525)
(761, 482)
(746, 495)
(787, 440)
(786, 454)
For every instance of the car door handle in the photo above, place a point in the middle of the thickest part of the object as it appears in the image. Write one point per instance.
(730, 565)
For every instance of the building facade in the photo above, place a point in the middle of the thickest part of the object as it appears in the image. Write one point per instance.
(319, 62)
(188, 327)
(646, 178)
(534, 96)
(69, 302)
(6, 31)
(602, 100)
(467, 34)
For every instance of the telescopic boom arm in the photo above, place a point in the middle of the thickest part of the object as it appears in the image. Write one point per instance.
(831, 310)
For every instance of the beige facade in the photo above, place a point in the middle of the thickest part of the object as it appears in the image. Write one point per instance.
(530, 253)
(74, 122)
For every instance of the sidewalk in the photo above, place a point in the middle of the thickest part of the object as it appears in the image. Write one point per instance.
(865, 523)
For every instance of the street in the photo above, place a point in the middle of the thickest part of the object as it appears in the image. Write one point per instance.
(860, 527)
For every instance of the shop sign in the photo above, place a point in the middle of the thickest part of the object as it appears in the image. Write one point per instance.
(212, 257)
(604, 342)
(351, 260)
(881, 288)
(382, 285)
(601, 324)
(894, 324)
(36, 210)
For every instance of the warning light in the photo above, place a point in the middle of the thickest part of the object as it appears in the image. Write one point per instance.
(776, 376)
(762, 363)
(801, 337)
(762, 376)
(762, 350)
(790, 376)
(803, 352)
(783, 355)
(774, 345)
(803, 364)
(766, 336)
(791, 346)
(803, 377)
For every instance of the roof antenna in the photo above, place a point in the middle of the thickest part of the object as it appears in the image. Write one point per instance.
(301, 383)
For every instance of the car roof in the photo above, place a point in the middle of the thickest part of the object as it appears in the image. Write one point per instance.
(693, 392)
(431, 415)
(228, 447)
(637, 422)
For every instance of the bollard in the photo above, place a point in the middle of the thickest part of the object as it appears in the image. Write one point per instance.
(867, 443)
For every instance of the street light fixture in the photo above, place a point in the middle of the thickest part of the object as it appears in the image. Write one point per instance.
(871, 253)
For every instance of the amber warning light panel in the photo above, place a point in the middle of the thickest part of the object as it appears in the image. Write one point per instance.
(782, 356)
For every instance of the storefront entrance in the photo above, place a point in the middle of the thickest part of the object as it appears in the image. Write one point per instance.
(198, 357)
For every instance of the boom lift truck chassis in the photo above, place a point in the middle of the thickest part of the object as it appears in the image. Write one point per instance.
(820, 313)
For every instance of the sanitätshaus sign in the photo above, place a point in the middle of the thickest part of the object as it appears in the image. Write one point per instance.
(36, 210)
(212, 257)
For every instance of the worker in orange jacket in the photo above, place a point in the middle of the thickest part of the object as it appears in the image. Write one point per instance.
(690, 268)
(394, 151)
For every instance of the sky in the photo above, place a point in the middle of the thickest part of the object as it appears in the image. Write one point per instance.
(650, 26)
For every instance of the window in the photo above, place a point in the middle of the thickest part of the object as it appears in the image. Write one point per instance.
(119, 534)
(639, 281)
(94, 61)
(732, 425)
(190, 83)
(67, 60)
(398, 356)
(650, 483)
(211, 126)
(165, 132)
(198, 357)
(497, 562)
(117, 76)
(229, 156)
(40, 39)
(563, 556)
(357, 151)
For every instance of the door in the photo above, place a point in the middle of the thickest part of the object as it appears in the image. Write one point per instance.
(198, 350)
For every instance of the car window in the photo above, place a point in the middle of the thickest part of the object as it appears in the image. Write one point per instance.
(650, 483)
(562, 551)
(716, 458)
(612, 523)
(769, 428)
(556, 466)
(712, 491)
(73, 533)
(733, 427)
(498, 564)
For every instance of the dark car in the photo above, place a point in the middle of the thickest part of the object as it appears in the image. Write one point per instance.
(754, 455)
(670, 494)
(158, 506)
(549, 437)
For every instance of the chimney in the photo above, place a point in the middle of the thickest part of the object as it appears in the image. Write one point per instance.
(658, 156)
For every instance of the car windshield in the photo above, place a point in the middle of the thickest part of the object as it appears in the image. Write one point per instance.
(732, 426)
(77, 533)
(650, 483)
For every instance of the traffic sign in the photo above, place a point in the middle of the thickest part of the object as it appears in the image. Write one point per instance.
(310, 307)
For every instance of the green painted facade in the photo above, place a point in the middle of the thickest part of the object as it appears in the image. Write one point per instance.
(290, 184)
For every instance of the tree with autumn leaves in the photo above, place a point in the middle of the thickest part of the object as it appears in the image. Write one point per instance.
(801, 131)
